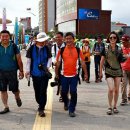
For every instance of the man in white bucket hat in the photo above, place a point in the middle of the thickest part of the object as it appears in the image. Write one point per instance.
(38, 64)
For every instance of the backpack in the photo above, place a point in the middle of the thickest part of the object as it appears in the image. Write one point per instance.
(118, 53)
(79, 64)
(55, 49)
(102, 46)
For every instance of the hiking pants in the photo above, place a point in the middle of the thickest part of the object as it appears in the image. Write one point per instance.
(88, 70)
(125, 82)
(40, 88)
(69, 84)
(97, 59)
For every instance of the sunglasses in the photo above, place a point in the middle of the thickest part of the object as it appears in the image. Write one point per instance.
(112, 37)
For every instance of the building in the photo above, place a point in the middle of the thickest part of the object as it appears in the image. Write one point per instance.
(46, 15)
(41, 20)
(82, 17)
(26, 23)
(117, 26)
(126, 30)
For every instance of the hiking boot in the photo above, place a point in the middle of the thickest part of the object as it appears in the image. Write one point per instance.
(65, 108)
(124, 102)
(6, 110)
(42, 113)
(72, 114)
(19, 102)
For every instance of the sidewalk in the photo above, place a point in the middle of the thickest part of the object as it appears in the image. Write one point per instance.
(91, 110)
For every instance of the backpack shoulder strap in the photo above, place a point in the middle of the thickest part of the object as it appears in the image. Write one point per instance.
(62, 50)
(55, 49)
(48, 52)
(78, 51)
(14, 48)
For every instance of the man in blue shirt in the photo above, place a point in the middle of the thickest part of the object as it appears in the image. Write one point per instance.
(10, 61)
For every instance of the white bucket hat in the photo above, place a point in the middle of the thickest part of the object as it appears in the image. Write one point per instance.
(41, 37)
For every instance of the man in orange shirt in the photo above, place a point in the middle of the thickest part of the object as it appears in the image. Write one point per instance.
(126, 69)
(69, 72)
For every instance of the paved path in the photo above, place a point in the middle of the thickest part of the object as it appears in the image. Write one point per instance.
(91, 110)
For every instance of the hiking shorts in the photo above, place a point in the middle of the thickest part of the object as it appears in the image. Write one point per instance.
(9, 81)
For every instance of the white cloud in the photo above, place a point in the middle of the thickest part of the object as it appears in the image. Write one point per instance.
(120, 10)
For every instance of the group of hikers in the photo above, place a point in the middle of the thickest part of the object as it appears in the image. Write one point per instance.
(67, 59)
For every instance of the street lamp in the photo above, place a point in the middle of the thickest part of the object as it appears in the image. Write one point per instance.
(29, 9)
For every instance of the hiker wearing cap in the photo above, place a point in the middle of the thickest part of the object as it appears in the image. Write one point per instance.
(97, 49)
(10, 62)
(111, 57)
(38, 64)
(126, 69)
(87, 53)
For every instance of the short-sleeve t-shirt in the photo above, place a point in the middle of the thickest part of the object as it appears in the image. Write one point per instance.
(8, 60)
(69, 61)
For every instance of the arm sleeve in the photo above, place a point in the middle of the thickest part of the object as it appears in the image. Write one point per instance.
(49, 62)
(28, 65)
(28, 54)
(48, 52)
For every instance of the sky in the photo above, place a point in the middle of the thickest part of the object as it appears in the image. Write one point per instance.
(17, 8)
(120, 10)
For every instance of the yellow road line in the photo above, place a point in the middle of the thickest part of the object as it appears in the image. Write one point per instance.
(44, 123)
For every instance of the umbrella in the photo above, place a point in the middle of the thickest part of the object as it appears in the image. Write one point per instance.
(7, 21)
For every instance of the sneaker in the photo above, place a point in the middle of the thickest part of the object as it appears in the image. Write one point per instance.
(19, 102)
(124, 102)
(72, 114)
(42, 113)
(6, 110)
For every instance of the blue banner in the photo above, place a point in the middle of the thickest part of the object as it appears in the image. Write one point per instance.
(26, 38)
(88, 14)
